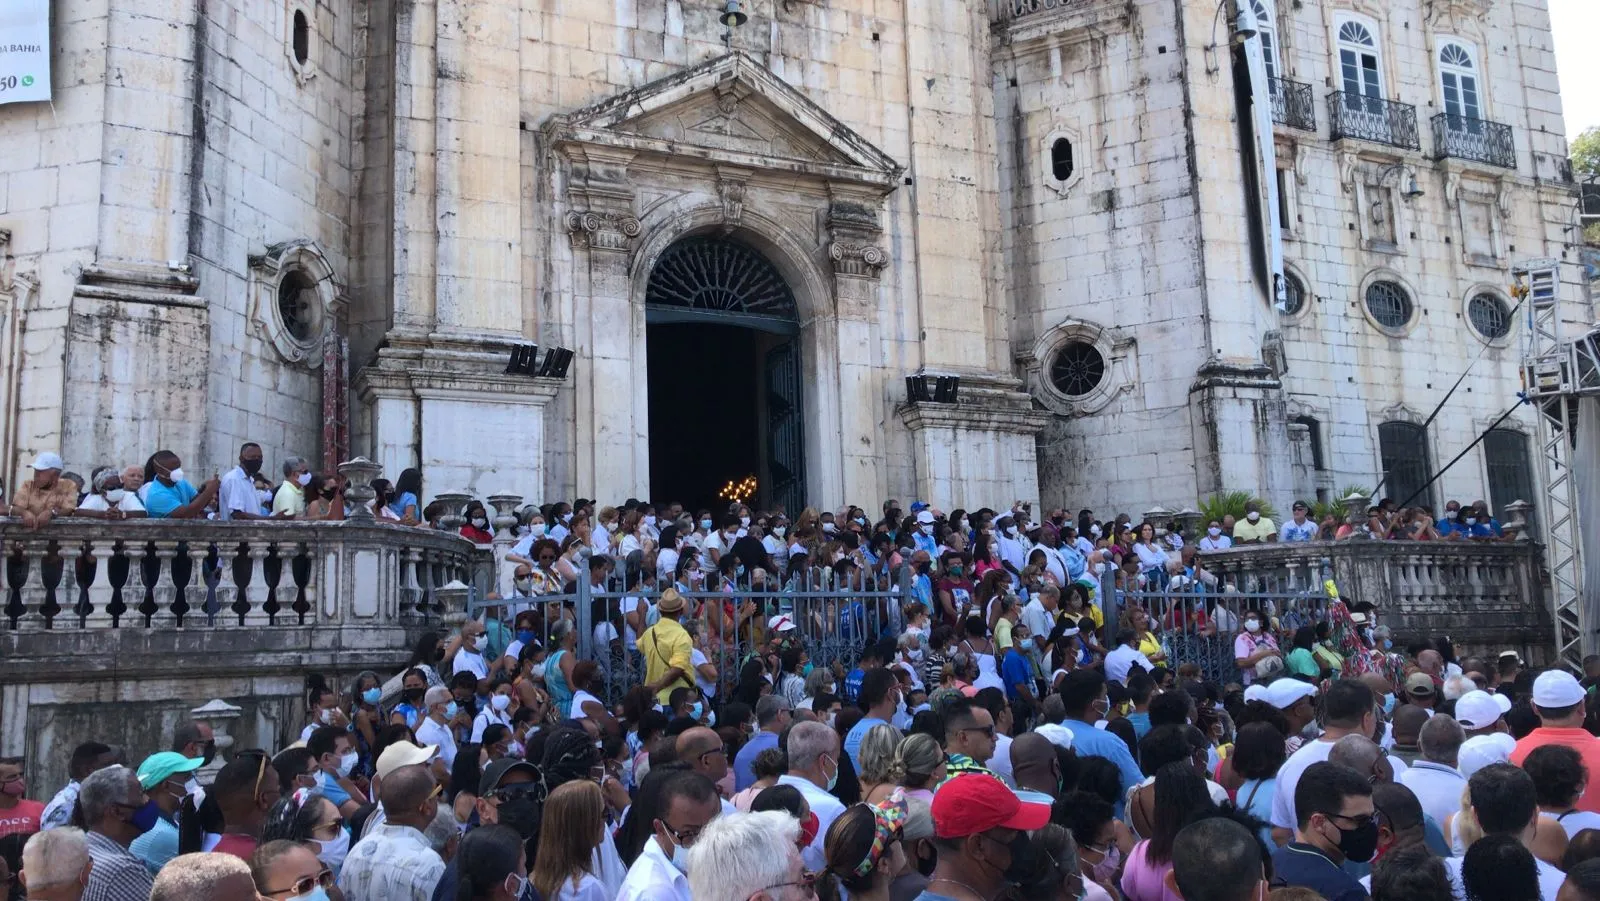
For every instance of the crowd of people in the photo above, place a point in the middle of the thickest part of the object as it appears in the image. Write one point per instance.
(996, 727)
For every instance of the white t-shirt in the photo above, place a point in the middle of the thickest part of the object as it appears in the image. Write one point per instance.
(1575, 821)
(470, 662)
(128, 504)
(432, 733)
(1123, 659)
(1220, 543)
(587, 888)
(487, 717)
(707, 688)
(666, 564)
(578, 699)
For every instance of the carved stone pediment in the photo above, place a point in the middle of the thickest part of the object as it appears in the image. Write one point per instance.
(728, 111)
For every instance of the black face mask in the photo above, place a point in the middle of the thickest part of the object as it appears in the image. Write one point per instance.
(413, 695)
(521, 814)
(1028, 866)
(1360, 843)
(250, 467)
(209, 750)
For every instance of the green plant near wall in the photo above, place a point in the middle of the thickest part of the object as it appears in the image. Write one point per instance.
(1231, 503)
(1335, 507)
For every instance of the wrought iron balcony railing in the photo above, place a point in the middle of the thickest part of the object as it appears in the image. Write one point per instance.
(1292, 104)
(1466, 138)
(1373, 119)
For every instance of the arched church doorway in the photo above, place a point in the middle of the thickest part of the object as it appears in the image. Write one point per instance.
(723, 343)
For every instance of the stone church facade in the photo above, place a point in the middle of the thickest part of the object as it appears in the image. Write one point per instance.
(1165, 253)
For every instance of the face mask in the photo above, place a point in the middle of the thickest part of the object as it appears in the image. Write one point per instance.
(566, 518)
(926, 529)
(1107, 867)
(325, 716)
(829, 528)
(680, 857)
(536, 530)
(744, 521)
(1358, 844)
(176, 475)
(650, 521)
(525, 635)
(609, 526)
(808, 828)
(1388, 704)
(144, 819)
(831, 718)
(1252, 625)
(1252, 516)
(834, 779)
(705, 525)
(1214, 532)
(1094, 531)
(697, 710)
(500, 702)
(250, 467)
(1387, 644)
(347, 763)
(115, 495)
(317, 893)
(806, 670)
(779, 531)
(515, 885)
(451, 709)
(1451, 514)
(521, 815)
(470, 644)
(480, 523)
(1472, 520)
(413, 695)
(14, 789)
(525, 584)
(303, 479)
(371, 695)
(332, 851)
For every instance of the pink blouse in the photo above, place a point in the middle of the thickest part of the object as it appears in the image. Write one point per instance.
(1144, 881)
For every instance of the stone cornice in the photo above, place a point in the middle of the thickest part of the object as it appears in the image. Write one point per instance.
(974, 417)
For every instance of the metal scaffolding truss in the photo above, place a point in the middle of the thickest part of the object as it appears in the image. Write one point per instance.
(1556, 372)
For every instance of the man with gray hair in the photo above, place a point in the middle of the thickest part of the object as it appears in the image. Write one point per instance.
(55, 865)
(1363, 755)
(814, 769)
(747, 856)
(203, 877)
(773, 715)
(290, 501)
(1434, 778)
(107, 803)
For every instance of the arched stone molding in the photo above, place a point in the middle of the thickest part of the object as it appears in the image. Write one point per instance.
(319, 289)
(1115, 348)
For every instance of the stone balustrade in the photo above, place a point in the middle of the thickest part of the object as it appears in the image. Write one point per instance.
(1484, 595)
(115, 630)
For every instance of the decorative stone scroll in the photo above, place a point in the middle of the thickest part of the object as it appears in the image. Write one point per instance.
(859, 260)
(602, 231)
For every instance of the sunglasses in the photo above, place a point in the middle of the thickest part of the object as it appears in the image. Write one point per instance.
(518, 792)
(807, 881)
(305, 884)
(986, 730)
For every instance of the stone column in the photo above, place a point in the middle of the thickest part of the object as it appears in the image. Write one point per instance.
(612, 409)
(850, 467)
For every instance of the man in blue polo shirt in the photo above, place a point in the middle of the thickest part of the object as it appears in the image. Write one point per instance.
(170, 496)
(1017, 673)
(1083, 694)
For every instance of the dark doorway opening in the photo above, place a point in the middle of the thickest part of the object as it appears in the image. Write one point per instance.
(705, 394)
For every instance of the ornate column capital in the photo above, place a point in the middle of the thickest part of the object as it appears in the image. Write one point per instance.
(601, 231)
(853, 234)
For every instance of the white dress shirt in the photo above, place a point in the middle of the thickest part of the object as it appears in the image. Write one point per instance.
(431, 733)
(1437, 787)
(826, 807)
(653, 878)
(237, 492)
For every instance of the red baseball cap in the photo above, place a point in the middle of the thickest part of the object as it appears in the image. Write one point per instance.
(974, 803)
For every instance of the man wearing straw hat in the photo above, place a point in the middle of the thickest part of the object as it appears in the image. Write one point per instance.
(666, 648)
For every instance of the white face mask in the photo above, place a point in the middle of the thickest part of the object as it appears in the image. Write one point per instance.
(115, 495)
(347, 763)
(829, 528)
(176, 475)
(480, 523)
(779, 531)
(332, 852)
(500, 702)
(650, 521)
(744, 521)
(1214, 532)
(303, 478)
(926, 529)
(1252, 625)
(536, 530)
(1252, 516)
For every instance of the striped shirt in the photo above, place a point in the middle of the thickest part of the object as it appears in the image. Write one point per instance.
(392, 863)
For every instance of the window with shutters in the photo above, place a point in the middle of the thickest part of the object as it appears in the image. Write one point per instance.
(1403, 451)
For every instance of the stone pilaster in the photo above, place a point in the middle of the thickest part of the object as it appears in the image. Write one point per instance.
(980, 450)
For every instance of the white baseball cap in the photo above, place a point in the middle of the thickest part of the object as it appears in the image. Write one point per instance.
(403, 753)
(780, 623)
(925, 517)
(1556, 688)
(1483, 750)
(1283, 693)
(1480, 710)
(48, 460)
(1255, 692)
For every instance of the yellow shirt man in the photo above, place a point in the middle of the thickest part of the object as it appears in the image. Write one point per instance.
(1263, 529)
(666, 647)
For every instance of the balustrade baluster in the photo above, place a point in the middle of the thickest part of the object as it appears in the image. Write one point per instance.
(226, 591)
(288, 592)
(67, 599)
(165, 591)
(200, 604)
(136, 594)
(410, 584)
(258, 593)
(34, 593)
(101, 591)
